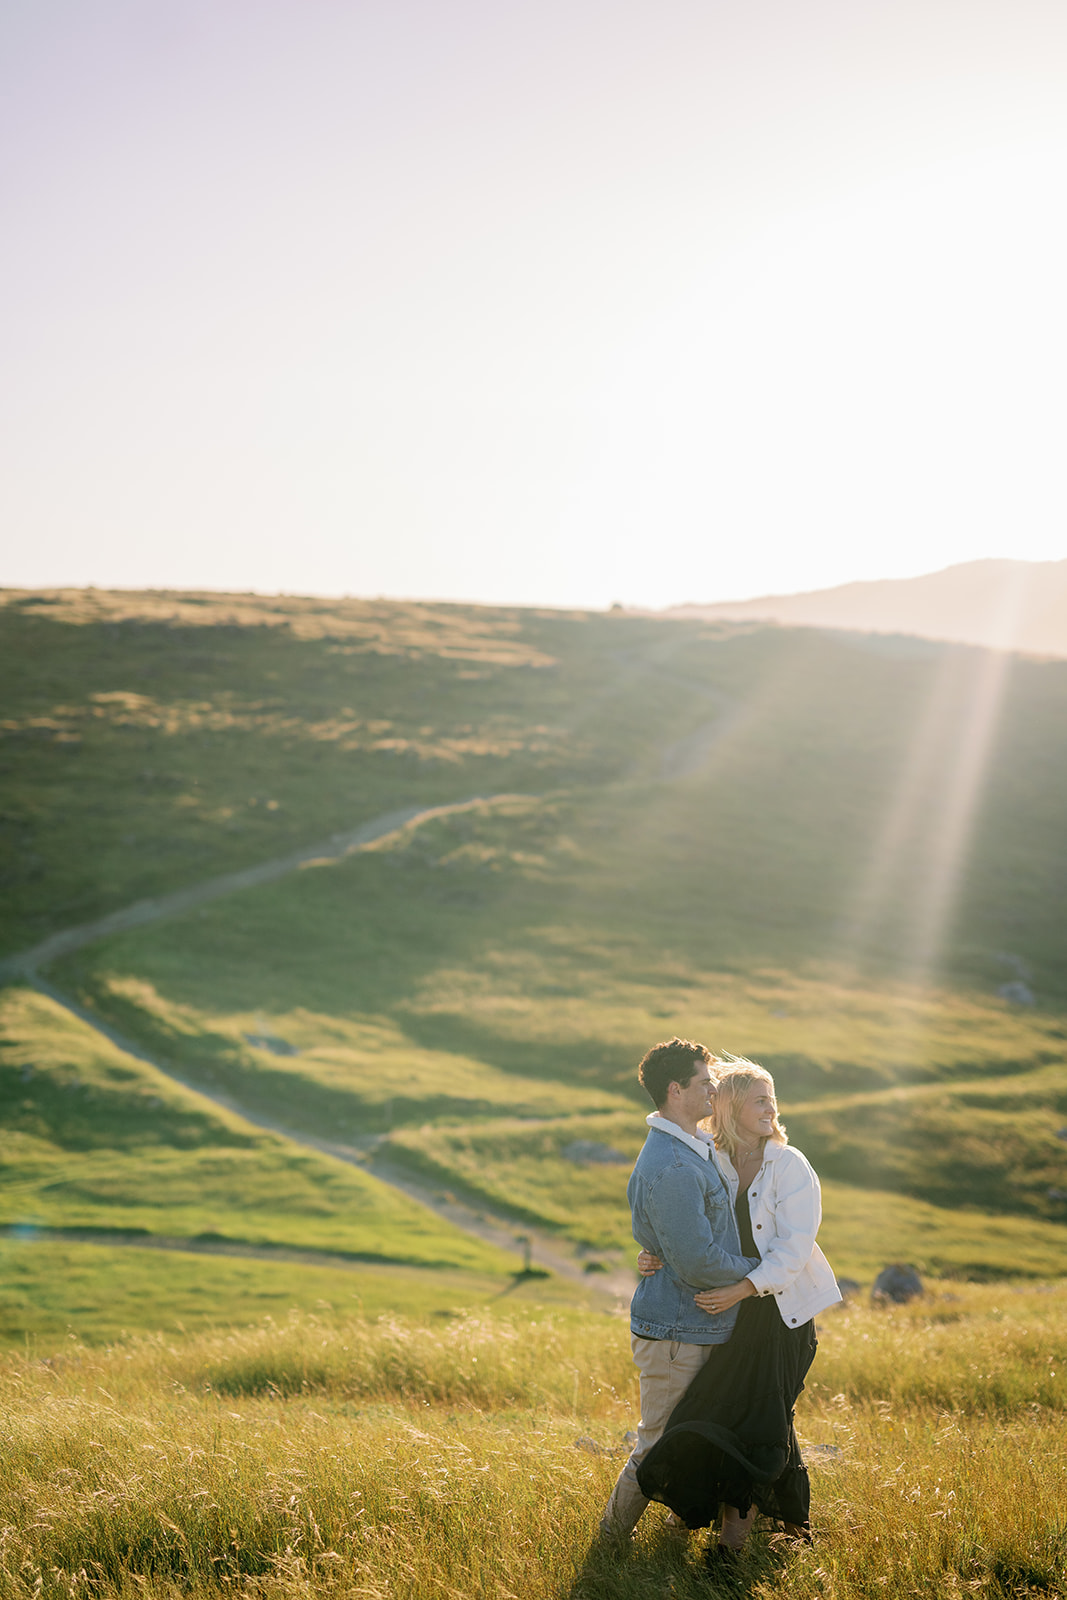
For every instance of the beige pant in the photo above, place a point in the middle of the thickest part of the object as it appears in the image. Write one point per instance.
(667, 1369)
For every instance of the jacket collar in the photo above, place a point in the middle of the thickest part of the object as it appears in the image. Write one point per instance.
(771, 1151)
(699, 1142)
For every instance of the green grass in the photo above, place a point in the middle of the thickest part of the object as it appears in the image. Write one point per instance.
(95, 1139)
(152, 740)
(822, 892)
(415, 1018)
(464, 1456)
(995, 1143)
(54, 1293)
(520, 1169)
(514, 968)
(863, 1229)
(821, 889)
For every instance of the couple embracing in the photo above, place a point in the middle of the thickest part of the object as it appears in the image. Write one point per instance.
(722, 1320)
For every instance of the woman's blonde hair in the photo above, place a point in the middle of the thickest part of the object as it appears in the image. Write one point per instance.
(736, 1078)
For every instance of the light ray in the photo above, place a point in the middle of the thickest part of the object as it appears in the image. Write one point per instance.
(910, 796)
(973, 750)
(936, 800)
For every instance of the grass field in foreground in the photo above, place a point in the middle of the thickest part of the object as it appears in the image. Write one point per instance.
(402, 1460)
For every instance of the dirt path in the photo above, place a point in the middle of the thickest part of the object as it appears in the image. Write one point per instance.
(599, 1287)
(531, 1245)
(685, 757)
(142, 912)
(199, 1247)
(678, 760)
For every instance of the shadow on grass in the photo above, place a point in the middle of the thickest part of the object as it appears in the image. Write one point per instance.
(669, 1563)
(519, 1280)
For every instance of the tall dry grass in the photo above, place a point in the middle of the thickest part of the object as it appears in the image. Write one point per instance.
(472, 1457)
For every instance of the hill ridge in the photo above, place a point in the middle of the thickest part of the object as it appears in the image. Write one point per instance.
(997, 602)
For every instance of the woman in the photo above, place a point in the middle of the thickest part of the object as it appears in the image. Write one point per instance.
(730, 1440)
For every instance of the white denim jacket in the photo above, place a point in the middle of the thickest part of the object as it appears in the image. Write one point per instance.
(786, 1208)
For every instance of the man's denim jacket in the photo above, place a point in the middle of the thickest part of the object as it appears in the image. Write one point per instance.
(682, 1212)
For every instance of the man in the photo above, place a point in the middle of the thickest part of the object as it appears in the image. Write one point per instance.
(682, 1213)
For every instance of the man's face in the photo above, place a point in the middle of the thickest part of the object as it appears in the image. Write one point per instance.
(697, 1097)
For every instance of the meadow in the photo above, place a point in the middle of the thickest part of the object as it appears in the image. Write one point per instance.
(237, 1355)
(472, 1454)
(63, 1291)
(757, 837)
(103, 1142)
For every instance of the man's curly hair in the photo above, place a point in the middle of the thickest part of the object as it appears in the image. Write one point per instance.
(673, 1061)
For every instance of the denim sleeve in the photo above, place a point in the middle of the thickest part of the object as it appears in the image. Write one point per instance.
(690, 1246)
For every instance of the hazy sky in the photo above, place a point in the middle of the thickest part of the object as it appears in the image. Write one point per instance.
(547, 301)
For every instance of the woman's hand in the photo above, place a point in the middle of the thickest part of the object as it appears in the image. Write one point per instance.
(647, 1264)
(731, 1294)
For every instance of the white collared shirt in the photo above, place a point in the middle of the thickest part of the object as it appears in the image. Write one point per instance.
(700, 1142)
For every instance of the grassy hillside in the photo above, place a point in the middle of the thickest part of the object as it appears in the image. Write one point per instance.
(522, 1171)
(96, 1140)
(825, 852)
(150, 740)
(415, 1457)
(818, 787)
(524, 1022)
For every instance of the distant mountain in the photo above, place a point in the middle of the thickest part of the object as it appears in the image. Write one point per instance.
(1011, 605)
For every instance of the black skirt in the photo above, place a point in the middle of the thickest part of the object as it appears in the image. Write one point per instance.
(730, 1439)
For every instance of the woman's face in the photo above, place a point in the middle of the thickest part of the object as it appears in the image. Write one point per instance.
(755, 1120)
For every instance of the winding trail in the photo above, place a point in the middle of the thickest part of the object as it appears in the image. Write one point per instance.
(26, 963)
(687, 756)
(533, 1245)
(681, 759)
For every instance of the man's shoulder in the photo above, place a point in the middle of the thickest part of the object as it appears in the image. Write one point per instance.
(662, 1152)
(659, 1144)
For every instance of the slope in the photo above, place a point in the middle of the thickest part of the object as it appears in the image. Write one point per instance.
(1006, 605)
(810, 849)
